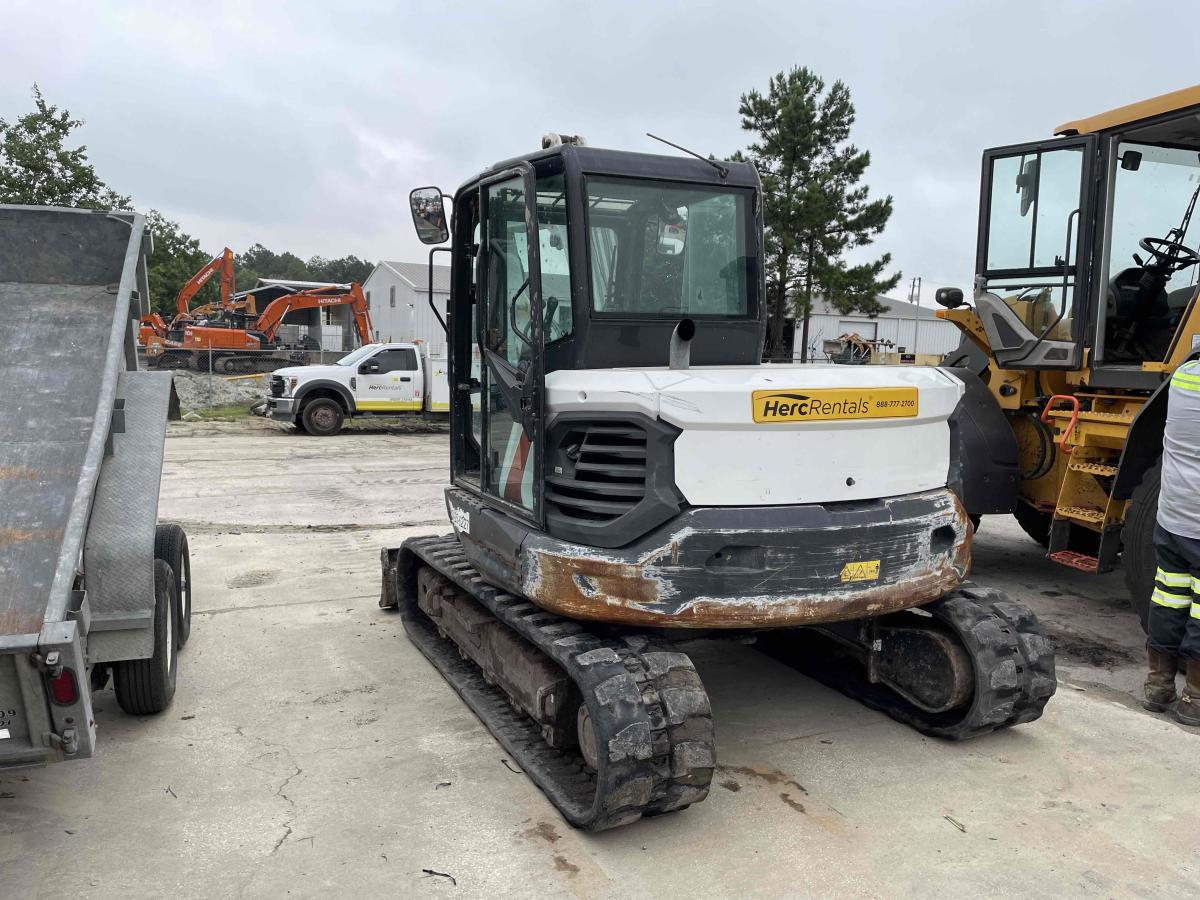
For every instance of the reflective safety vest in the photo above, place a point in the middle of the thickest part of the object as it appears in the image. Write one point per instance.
(1179, 499)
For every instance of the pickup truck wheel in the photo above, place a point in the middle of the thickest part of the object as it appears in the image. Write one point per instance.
(323, 417)
(171, 546)
(146, 686)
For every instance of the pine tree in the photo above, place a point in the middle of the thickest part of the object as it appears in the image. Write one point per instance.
(814, 207)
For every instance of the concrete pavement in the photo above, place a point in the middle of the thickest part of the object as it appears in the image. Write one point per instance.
(312, 752)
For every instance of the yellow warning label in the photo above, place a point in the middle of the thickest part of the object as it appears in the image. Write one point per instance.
(827, 404)
(866, 570)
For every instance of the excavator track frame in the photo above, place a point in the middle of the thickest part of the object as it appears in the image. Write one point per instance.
(1012, 662)
(647, 706)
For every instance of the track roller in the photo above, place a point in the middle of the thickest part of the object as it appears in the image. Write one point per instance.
(609, 728)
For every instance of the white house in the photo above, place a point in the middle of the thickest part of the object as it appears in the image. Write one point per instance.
(911, 328)
(398, 295)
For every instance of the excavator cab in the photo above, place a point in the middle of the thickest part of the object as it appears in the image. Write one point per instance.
(580, 258)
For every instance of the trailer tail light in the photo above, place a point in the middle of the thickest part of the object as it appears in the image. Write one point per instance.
(63, 688)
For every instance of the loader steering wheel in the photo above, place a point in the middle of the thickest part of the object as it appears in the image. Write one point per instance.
(1173, 256)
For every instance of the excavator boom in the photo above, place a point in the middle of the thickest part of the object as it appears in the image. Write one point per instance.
(223, 264)
(272, 317)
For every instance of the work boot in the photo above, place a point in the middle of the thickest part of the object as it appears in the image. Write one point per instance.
(1160, 682)
(1187, 710)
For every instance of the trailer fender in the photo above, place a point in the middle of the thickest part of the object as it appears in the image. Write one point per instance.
(307, 390)
(984, 466)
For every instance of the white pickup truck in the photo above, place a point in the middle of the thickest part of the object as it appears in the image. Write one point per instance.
(375, 380)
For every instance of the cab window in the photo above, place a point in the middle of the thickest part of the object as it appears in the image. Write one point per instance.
(395, 360)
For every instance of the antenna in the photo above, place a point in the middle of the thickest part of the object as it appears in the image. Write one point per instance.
(721, 170)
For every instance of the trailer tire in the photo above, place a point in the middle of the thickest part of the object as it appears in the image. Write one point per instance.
(1138, 558)
(146, 686)
(323, 417)
(171, 546)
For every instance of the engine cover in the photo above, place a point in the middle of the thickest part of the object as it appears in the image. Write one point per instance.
(783, 434)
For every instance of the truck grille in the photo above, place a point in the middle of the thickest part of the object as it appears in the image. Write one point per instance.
(276, 385)
(598, 472)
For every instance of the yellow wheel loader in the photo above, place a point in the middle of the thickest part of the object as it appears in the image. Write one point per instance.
(1084, 304)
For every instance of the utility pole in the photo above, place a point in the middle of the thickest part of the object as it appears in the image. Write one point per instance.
(808, 296)
(914, 297)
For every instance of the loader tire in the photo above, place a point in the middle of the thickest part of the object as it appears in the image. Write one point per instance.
(146, 686)
(1033, 522)
(323, 417)
(171, 546)
(1138, 557)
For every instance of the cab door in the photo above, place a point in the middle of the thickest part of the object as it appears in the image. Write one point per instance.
(509, 341)
(1033, 258)
(388, 381)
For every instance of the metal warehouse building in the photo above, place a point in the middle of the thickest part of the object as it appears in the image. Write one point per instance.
(913, 328)
(397, 293)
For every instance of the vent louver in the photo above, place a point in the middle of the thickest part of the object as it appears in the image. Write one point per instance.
(604, 472)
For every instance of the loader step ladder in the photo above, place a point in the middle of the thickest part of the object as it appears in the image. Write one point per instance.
(1085, 532)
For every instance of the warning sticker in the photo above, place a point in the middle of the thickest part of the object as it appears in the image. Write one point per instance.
(866, 570)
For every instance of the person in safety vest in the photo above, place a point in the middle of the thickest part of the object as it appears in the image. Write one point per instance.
(1173, 627)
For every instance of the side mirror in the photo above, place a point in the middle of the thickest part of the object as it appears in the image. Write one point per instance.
(1131, 160)
(1027, 184)
(370, 367)
(429, 215)
(951, 298)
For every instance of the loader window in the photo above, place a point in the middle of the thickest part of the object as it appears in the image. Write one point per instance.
(1032, 197)
(664, 249)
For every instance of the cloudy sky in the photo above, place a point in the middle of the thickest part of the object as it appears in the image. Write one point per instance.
(303, 125)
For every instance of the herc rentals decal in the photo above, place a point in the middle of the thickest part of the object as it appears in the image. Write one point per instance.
(828, 404)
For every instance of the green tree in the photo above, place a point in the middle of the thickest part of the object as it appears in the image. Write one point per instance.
(340, 271)
(814, 207)
(37, 167)
(176, 258)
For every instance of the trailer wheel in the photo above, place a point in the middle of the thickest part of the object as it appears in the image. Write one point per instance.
(171, 546)
(145, 686)
(323, 417)
(1138, 557)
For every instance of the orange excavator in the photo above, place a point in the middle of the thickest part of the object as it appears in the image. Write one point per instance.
(239, 342)
(153, 330)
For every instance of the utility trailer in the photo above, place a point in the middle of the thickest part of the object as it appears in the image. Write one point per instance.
(90, 583)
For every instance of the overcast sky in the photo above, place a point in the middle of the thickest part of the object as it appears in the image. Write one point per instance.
(303, 125)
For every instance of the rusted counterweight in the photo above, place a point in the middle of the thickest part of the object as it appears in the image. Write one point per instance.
(786, 566)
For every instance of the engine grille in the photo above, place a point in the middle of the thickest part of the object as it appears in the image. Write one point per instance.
(603, 472)
(276, 385)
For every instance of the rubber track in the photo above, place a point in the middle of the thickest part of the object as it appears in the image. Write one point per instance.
(647, 704)
(1013, 661)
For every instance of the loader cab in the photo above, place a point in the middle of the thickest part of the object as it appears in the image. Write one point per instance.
(1087, 255)
(581, 258)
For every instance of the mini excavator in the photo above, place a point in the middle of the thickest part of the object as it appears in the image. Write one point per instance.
(627, 474)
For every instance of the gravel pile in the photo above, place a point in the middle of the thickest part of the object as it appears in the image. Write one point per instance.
(200, 391)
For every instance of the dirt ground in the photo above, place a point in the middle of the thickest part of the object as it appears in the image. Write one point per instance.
(312, 752)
